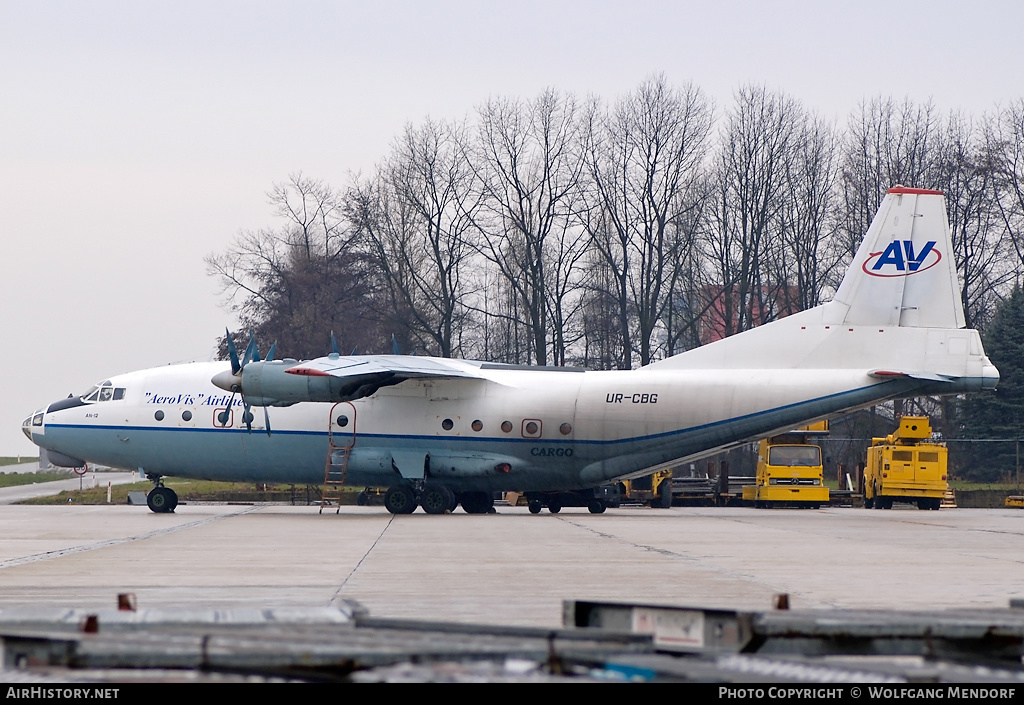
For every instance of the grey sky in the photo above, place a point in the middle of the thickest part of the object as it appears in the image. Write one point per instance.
(135, 138)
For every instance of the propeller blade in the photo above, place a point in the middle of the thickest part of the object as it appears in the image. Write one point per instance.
(236, 366)
(266, 419)
(251, 354)
(270, 354)
(247, 417)
(334, 344)
(394, 345)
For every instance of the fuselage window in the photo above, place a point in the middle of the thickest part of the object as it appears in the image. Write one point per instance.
(506, 426)
(447, 424)
(186, 415)
(159, 415)
(478, 425)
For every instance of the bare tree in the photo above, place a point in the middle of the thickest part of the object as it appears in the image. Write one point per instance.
(527, 160)
(1005, 151)
(298, 283)
(417, 214)
(645, 163)
(807, 254)
(967, 175)
(755, 159)
(886, 144)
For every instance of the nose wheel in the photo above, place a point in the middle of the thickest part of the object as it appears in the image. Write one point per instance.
(162, 500)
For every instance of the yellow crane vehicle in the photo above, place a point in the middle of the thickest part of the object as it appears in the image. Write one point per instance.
(906, 466)
(789, 470)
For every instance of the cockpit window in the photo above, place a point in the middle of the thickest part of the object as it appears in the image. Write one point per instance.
(104, 391)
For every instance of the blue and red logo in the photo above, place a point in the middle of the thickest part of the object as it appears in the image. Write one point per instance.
(900, 259)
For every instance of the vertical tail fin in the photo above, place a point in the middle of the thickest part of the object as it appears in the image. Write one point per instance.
(904, 272)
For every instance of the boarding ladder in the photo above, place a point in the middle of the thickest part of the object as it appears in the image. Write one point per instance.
(339, 450)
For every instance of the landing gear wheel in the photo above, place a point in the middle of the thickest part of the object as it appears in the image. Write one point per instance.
(535, 506)
(162, 500)
(400, 500)
(596, 506)
(435, 499)
(477, 502)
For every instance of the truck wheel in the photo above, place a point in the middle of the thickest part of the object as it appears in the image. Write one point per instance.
(868, 502)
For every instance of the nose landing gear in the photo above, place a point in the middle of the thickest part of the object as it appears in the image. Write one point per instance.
(160, 499)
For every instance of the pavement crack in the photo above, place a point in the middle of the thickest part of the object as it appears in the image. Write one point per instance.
(71, 550)
(355, 568)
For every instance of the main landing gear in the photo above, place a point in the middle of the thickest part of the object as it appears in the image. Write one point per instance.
(435, 499)
(160, 499)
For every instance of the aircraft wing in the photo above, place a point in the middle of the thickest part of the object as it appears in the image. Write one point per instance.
(333, 378)
(401, 366)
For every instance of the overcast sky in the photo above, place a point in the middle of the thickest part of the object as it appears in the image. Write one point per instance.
(138, 137)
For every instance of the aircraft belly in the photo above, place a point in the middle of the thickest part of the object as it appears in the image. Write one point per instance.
(222, 454)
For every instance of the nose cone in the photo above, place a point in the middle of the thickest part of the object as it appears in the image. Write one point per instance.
(227, 381)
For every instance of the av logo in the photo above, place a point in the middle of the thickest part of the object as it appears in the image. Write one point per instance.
(899, 259)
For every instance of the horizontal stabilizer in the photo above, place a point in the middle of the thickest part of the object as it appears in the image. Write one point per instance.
(895, 374)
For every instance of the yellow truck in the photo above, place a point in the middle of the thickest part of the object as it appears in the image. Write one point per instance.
(654, 490)
(789, 470)
(906, 466)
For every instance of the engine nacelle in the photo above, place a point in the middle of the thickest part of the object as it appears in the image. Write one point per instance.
(270, 384)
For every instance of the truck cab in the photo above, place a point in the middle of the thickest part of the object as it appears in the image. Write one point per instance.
(790, 471)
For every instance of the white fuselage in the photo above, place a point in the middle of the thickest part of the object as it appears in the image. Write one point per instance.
(509, 429)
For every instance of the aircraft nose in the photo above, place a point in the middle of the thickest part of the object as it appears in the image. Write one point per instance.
(35, 421)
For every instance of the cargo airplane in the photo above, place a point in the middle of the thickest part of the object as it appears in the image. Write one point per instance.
(442, 432)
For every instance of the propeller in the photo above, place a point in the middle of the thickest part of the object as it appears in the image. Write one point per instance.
(251, 354)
